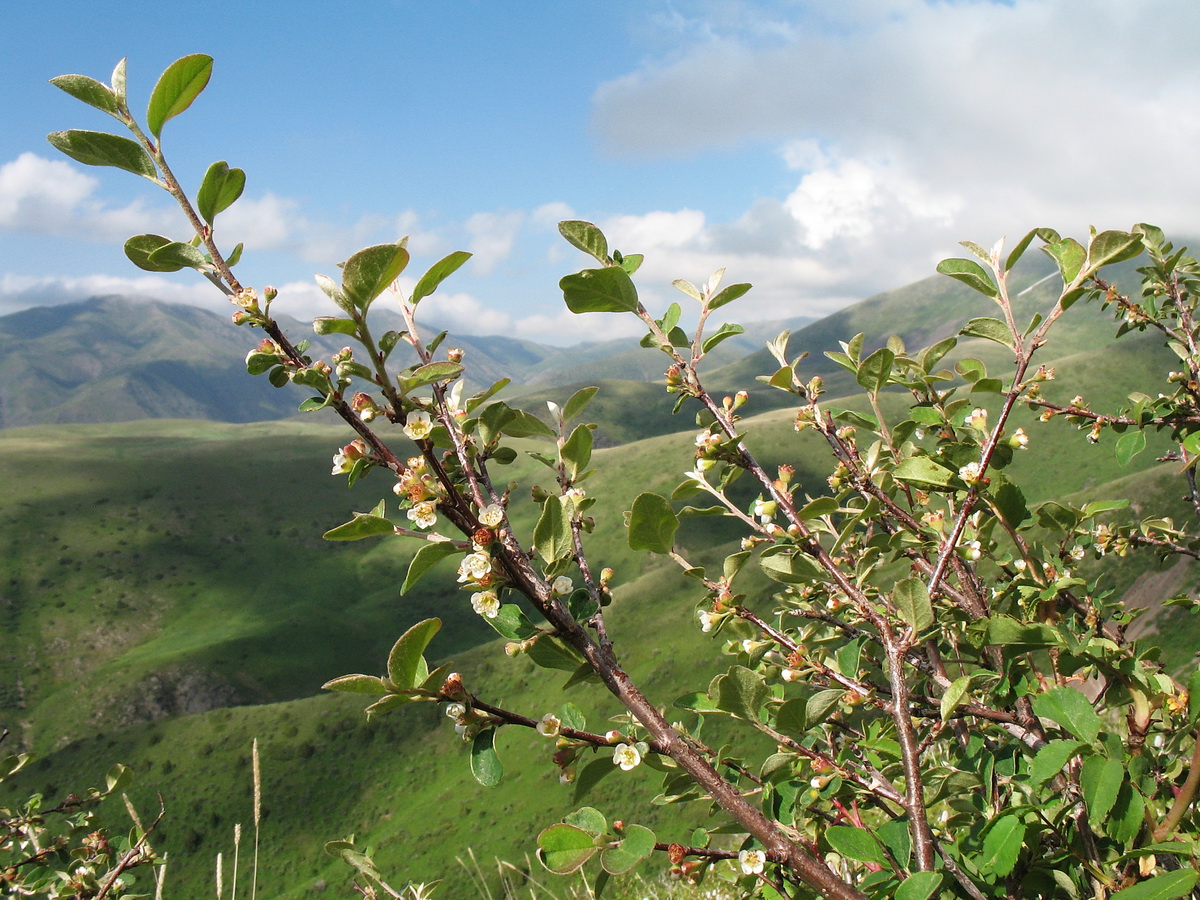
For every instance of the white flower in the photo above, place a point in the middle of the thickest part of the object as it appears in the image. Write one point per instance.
(550, 725)
(765, 510)
(790, 674)
(419, 425)
(971, 550)
(752, 862)
(456, 710)
(970, 472)
(491, 515)
(486, 603)
(423, 514)
(978, 418)
(474, 567)
(708, 620)
(626, 756)
(1020, 440)
(341, 464)
(562, 586)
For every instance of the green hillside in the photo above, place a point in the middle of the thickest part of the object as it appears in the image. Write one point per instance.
(166, 599)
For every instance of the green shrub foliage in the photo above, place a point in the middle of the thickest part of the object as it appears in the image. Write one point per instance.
(951, 702)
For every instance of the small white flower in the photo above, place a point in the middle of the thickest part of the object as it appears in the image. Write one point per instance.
(1020, 439)
(562, 586)
(341, 464)
(486, 603)
(752, 862)
(550, 725)
(970, 472)
(708, 620)
(491, 515)
(790, 674)
(978, 418)
(423, 514)
(626, 756)
(765, 510)
(1020, 565)
(474, 567)
(456, 710)
(419, 425)
(971, 550)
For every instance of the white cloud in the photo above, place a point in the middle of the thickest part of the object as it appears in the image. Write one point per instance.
(50, 196)
(909, 127)
(492, 236)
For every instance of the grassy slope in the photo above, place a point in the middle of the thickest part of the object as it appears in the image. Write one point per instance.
(395, 783)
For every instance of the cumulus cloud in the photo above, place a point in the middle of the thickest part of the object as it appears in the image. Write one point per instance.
(50, 196)
(19, 292)
(492, 236)
(911, 125)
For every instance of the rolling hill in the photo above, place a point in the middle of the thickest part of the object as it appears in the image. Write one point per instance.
(166, 598)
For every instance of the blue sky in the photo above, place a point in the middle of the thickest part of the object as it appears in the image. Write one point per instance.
(823, 152)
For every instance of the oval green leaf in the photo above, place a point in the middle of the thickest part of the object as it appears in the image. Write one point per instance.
(88, 90)
(219, 190)
(140, 247)
(599, 290)
(368, 272)
(177, 87)
(485, 764)
(404, 662)
(652, 524)
(564, 849)
(97, 148)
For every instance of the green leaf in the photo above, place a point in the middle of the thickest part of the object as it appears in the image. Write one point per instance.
(636, 846)
(1070, 709)
(118, 777)
(727, 295)
(1002, 845)
(652, 524)
(874, 371)
(1161, 887)
(1052, 759)
(552, 537)
(740, 692)
(1069, 255)
(485, 764)
(522, 424)
(589, 819)
(577, 451)
(789, 566)
(425, 559)
(368, 272)
(1127, 816)
(219, 190)
(438, 272)
(922, 470)
(586, 237)
(970, 273)
(1194, 698)
(140, 247)
(177, 253)
(563, 848)
(177, 87)
(96, 148)
(855, 843)
(1129, 445)
(356, 684)
(363, 525)
(512, 623)
(989, 329)
(820, 705)
(590, 775)
(1005, 631)
(919, 886)
(1109, 247)
(89, 90)
(580, 399)
(333, 325)
(953, 696)
(551, 653)
(1019, 250)
(1099, 780)
(431, 373)
(912, 603)
(357, 860)
(599, 290)
(725, 331)
(407, 656)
